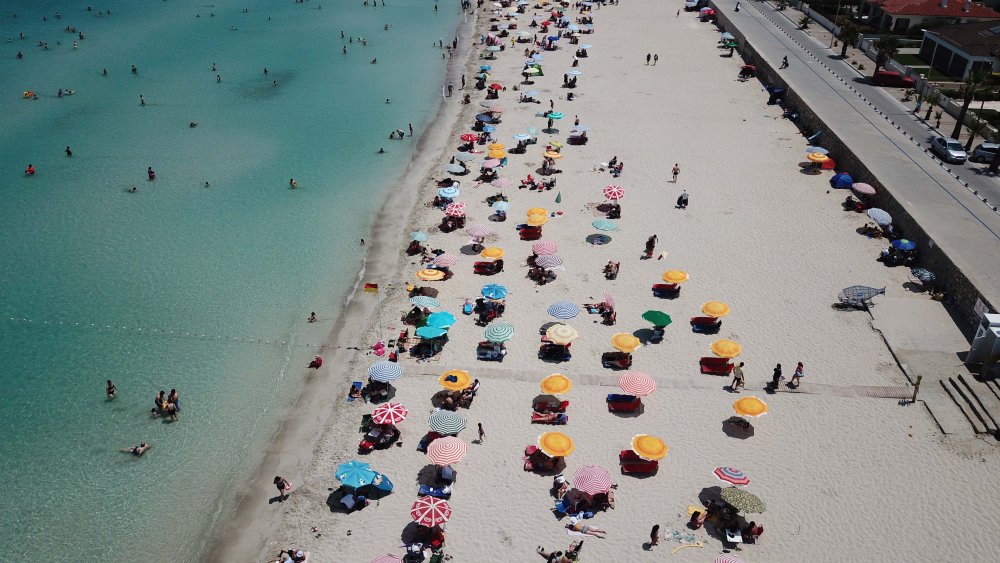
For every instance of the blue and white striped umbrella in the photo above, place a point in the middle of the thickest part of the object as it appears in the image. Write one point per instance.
(446, 423)
(385, 371)
(499, 332)
(564, 310)
(424, 301)
(451, 192)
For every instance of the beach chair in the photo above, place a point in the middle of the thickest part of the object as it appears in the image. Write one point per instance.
(554, 353)
(668, 290)
(715, 366)
(354, 385)
(623, 403)
(490, 352)
(542, 418)
(616, 360)
(705, 325)
(640, 468)
(530, 233)
(437, 492)
(545, 406)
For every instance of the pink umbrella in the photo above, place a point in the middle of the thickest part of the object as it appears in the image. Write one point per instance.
(389, 413)
(456, 209)
(637, 383)
(732, 475)
(491, 163)
(502, 183)
(545, 248)
(592, 479)
(614, 191)
(609, 299)
(479, 231)
(495, 109)
(447, 450)
(446, 260)
(430, 511)
(387, 558)
(549, 261)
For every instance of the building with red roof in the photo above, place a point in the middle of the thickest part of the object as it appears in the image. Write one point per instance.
(901, 15)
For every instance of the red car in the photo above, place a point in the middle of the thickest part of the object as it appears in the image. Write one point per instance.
(893, 79)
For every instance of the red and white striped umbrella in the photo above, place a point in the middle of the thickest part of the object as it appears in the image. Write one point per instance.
(479, 231)
(732, 475)
(388, 558)
(446, 260)
(592, 479)
(727, 558)
(430, 511)
(545, 248)
(389, 413)
(637, 383)
(549, 261)
(447, 450)
(456, 209)
(614, 191)
(491, 163)
(609, 299)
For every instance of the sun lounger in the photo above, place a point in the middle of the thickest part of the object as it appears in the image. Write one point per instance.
(438, 492)
(631, 463)
(623, 403)
(540, 418)
(366, 423)
(543, 406)
(705, 324)
(616, 360)
(715, 366)
(666, 290)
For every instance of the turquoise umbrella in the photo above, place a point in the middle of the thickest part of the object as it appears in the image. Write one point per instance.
(556, 115)
(494, 291)
(424, 301)
(431, 332)
(501, 206)
(355, 474)
(604, 225)
(419, 236)
(441, 319)
(499, 332)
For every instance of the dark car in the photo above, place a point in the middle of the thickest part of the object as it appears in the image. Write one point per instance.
(985, 152)
(893, 79)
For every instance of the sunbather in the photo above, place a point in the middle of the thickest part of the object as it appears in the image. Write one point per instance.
(576, 526)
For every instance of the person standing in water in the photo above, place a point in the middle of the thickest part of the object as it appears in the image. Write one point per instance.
(292, 183)
(69, 152)
(111, 390)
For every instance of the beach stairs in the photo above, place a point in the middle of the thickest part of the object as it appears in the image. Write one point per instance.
(979, 401)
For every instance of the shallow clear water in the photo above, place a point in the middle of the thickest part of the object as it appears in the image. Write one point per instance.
(246, 258)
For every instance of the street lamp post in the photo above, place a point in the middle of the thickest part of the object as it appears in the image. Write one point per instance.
(833, 36)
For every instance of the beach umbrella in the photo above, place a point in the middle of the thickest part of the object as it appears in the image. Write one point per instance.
(574, 72)
(923, 275)
(904, 244)
(561, 334)
(820, 150)
(456, 209)
(728, 558)
(425, 301)
(531, 70)
(552, 154)
(451, 192)
(494, 48)
(430, 274)
(649, 447)
(469, 137)
(675, 276)
(489, 128)
(465, 157)
(581, 128)
(861, 188)
(521, 136)
(387, 558)
(556, 384)
(496, 146)
(430, 511)
(598, 239)
(715, 309)
(491, 163)
(817, 157)
(502, 183)
(447, 450)
(555, 115)
(658, 318)
(385, 371)
(499, 332)
(586, 46)
(538, 211)
(609, 299)
(501, 206)
(484, 118)
(496, 109)
(564, 310)
(355, 474)
(549, 261)
(726, 348)
(493, 252)
(446, 422)
(485, 67)
(727, 35)
(455, 380)
(604, 225)
(625, 342)
(743, 500)
(497, 154)
(750, 406)
(494, 291)
(441, 319)
(592, 479)
(495, 86)
(455, 169)
(841, 181)
(556, 444)
(545, 248)
(732, 475)
(614, 191)
(479, 231)
(538, 57)
(880, 216)
(431, 332)
(637, 383)
(445, 260)
(389, 413)
(556, 144)
(537, 220)
(419, 236)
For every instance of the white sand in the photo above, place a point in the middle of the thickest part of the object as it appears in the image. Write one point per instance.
(844, 479)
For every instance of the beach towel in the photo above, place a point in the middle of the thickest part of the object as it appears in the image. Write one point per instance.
(575, 533)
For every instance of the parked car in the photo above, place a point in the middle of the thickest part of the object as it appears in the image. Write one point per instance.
(949, 150)
(985, 152)
(893, 79)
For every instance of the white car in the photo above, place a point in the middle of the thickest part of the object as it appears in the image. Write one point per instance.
(950, 150)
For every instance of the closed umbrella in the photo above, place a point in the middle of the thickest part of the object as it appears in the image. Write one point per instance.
(389, 413)
(447, 450)
(441, 319)
(446, 422)
(658, 318)
(545, 248)
(479, 231)
(592, 479)
(430, 511)
(732, 475)
(743, 500)
(494, 291)
(385, 371)
(499, 332)
(604, 225)
(880, 216)
(614, 192)
(564, 310)
(431, 332)
(549, 261)
(425, 301)
(637, 383)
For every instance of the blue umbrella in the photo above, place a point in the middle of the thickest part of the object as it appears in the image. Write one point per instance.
(489, 128)
(441, 319)
(450, 192)
(484, 118)
(419, 236)
(531, 93)
(923, 275)
(494, 291)
(424, 301)
(485, 67)
(382, 483)
(431, 332)
(727, 35)
(604, 225)
(586, 46)
(501, 206)
(355, 474)
(564, 310)
(574, 72)
(385, 371)
(842, 181)
(553, 38)
(904, 244)
(538, 57)
(820, 150)
(522, 137)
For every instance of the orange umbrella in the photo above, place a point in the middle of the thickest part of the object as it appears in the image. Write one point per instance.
(492, 252)
(537, 220)
(750, 406)
(715, 309)
(538, 211)
(625, 342)
(556, 384)
(726, 348)
(818, 157)
(649, 447)
(455, 380)
(430, 274)
(675, 276)
(556, 444)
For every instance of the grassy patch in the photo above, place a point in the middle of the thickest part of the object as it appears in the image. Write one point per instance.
(911, 60)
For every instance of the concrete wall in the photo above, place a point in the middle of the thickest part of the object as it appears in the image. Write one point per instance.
(961, 294)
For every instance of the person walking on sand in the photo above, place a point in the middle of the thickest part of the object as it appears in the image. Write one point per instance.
(284, 487)
(799, 374)
(738, 380)
(654, 536)
(678, 14)
(648, 55)
(650, 245)
(676, 171)
(784, 62)
(656, 59)
(482, 433)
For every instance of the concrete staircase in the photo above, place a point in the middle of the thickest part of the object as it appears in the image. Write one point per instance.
(979, 401)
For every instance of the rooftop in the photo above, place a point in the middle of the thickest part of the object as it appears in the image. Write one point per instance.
(981, 39)
(931, 8)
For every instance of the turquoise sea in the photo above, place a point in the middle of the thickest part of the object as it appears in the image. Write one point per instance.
(93, 278)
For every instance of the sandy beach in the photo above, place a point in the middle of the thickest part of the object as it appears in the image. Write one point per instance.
(844, 478)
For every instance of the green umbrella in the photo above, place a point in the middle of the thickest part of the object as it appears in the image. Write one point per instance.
(658, 318)
(742, 500)
(499, 332)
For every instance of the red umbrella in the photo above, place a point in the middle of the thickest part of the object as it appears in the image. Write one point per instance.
(447, 450)
(495, 86)
(732, 475)
(469, 137)
(545, 248)
(389, 413)
(637, 383)
(430, 511)
(592, 479)
(456, 209)
(614, 191)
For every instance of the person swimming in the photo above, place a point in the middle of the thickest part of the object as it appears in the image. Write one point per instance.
(132, 190)
(292, 183)
(69, 152)
(30, 170)
(381, 150)
(137, 451)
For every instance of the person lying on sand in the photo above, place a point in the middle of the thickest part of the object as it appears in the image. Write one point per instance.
(575, 525)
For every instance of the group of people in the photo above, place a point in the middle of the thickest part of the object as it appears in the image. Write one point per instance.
(168, 405)
(739, 380)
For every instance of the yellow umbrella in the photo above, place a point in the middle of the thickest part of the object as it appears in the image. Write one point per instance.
(675, 276)
(493, 252)
(537, 220)
(715, 309)
(430, 274)
(817, 157)
(649, 447)
(538, 211)
(726, 348)
(561, 334)
(496, 146)
(556, 384)
(497, 154)
(462, 380)
(556, 444)
(553, 155)
(555, 144)
(625, 342)
(750, 406)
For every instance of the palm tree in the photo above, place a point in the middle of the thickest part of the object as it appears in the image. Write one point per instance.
(974, 130)
(848, 34)
(932, 100)
(804, 22)
(887, 47)
(974, 83)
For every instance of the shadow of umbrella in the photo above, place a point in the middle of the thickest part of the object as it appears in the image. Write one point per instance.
(545, 327)
(544, 398)
(737, 427)
(644, 335)
(710, 494)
